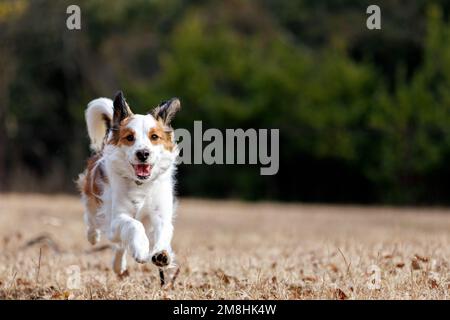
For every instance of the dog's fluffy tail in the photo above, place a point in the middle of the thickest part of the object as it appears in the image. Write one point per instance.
(99, 114)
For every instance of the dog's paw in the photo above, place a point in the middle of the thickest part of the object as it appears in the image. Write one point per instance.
(140, 257)
(93, 236)
(140, 253)
(161, 258)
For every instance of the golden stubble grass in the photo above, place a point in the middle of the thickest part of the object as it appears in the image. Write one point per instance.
(232, 250)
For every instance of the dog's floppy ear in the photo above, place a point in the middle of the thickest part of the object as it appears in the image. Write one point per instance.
(121, 109)
(166, 110)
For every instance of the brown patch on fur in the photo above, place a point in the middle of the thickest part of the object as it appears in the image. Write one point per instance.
(119, 134)
(123, 134)
(90, 182)
(165, 135)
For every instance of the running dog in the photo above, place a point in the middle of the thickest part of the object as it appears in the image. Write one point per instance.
(127, 188)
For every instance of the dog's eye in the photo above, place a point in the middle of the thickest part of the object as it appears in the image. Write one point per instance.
(130, 137)
(154, 137)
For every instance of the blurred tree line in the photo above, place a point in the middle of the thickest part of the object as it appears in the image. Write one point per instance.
(363, 115)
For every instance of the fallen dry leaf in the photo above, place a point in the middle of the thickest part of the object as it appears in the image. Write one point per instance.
(415, 265)
(333, 267)
(421, 258)
(23, 282)
(223, 276)
(310, 278)
(296, 291)
(433, 284)
(44, 239)
(205, 286)
(61, 295)
(57, 295)
(341, 294)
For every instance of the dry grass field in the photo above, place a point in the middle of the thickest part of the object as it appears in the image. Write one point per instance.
(232, 250)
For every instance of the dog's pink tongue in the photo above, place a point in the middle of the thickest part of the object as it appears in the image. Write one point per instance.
(142, 169)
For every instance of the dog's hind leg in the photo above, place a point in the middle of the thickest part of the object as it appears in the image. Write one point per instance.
(119, 260)
(93, 231)
(91, 206)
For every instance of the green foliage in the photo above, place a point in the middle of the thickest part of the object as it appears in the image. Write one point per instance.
(358, 120)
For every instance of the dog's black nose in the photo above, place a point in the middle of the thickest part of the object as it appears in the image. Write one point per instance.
(142, 154)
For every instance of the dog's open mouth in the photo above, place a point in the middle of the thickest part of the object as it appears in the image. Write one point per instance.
(142, 171)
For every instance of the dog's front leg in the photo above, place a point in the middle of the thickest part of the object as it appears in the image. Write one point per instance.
(131, 234)
(161, 217)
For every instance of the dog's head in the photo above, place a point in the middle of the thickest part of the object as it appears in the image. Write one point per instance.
(142, 146)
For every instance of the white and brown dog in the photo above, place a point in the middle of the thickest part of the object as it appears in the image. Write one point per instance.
(127, 188)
